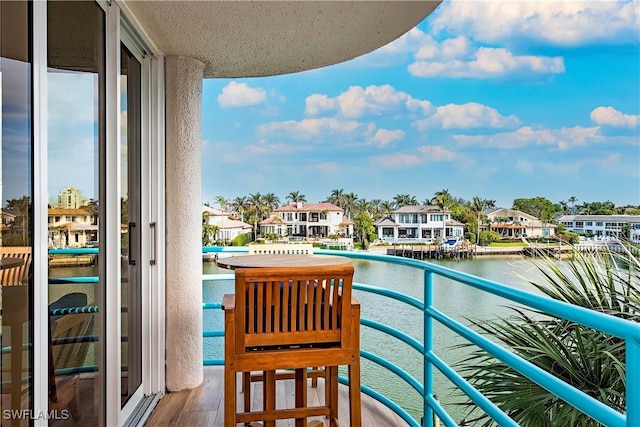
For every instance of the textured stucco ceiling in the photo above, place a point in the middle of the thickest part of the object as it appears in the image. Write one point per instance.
(262, 38)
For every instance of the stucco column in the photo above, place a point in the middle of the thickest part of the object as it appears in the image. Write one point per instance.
(184, 223)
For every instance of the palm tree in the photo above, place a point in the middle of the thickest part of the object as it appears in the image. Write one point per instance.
(375, 208)
(361, 205)
(443, 200)
(386, 207)
(573, 200)
(477, 206)
(401, 200)
(296, 197)
(239, 206)
(589, 360)
(349, 203)
(22, 205)
(222, 202)
(271, 201)
(564, 207)
(337, 197)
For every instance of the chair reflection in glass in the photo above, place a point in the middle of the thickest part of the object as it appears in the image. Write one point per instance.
(71, 330)
(292, 318)
(15, 313)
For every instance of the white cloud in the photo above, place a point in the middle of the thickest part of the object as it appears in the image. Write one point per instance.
(449, 48)
(466, 116)
(264, 148)
(311, 128)
(425, 154)
(374, 100)
(326, 167)
(556, 23)
(435, 153)
(318, 103)
(384, 137)
(609, 161)
(240, 95)
(486, 63)
(398, 160)
(562, 139)
(524, 166)
(609, 116)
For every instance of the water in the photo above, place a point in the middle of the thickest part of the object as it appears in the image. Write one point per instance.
(456, 300)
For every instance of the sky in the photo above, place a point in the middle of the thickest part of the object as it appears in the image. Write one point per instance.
(500, 100)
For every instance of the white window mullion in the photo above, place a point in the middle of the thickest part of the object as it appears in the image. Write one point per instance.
(111, 175)
(40, 228)
(157, 208)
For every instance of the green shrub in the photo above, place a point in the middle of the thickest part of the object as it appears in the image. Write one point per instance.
(241, 240)
(470, 236)
(486, 237)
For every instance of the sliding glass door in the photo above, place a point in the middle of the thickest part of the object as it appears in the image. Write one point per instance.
(16, 196)
(78, 313)
(130, 202)
(76, 80)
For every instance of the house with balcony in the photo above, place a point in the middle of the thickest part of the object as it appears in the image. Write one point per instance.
(71, 228)
(618, 226)
(514, 224)
(418, 224)
(309, 221)
(229, 227)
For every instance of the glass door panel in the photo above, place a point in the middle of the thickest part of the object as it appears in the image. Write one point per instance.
(16, 279)
(76, 141)
(131, 288)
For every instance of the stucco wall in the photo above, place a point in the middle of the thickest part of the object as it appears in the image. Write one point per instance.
(184, 218)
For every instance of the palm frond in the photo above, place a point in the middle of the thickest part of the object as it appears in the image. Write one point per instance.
(587, 359)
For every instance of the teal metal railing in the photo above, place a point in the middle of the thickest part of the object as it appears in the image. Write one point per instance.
(624, 329)
(432, 362)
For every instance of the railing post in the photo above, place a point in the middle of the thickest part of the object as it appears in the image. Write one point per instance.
(428, 347)
(633, 381)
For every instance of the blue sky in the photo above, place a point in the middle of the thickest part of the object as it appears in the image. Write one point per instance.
(483, 98)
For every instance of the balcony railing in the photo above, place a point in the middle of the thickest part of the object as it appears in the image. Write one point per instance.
(432, 362)
(432, 408)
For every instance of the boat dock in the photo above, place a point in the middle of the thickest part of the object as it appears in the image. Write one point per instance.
(423, 252)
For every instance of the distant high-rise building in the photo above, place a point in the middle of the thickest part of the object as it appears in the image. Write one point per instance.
(69, 198)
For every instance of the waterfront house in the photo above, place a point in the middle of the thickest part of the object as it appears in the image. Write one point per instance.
(512, 223)
(418, 224)
(73, 228)
(309, 221)
(618, 226)
(108, 95)
(229, 226)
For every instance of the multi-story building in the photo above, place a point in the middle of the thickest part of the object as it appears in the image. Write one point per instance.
(619, 226)
(69, 198)
(418, 223)
(308, 220)
(512, 223)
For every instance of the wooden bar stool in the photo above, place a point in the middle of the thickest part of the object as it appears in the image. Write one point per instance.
(292, 318)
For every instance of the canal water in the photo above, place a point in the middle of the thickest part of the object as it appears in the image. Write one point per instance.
(456, 300)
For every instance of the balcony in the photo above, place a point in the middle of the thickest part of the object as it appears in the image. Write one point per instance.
(202, 406)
